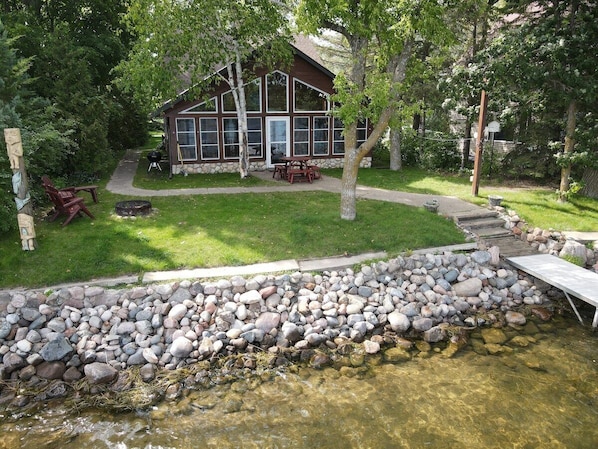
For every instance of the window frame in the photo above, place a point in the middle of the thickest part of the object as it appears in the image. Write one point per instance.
(190, 133)
(268, 110)
(234, 133)
(313, 135)
(302, 111)
(257, 81)
(254, 131)
(201, 143)
(190, 110)
(336, 120)
(306, 130)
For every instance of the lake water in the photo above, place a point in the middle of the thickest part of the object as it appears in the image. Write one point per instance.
(544, 395)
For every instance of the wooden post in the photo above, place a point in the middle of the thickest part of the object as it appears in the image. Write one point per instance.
(14, 148)
(477, 165)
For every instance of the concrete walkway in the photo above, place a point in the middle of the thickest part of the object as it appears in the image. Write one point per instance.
(121, 183)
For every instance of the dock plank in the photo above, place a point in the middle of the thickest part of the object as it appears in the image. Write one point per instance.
(568, 277)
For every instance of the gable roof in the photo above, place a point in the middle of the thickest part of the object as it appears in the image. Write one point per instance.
(302, 47)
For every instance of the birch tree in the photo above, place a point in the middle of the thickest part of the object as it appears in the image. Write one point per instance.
(187, 45)
(383, 31)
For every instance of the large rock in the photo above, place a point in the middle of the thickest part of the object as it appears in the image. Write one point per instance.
(398, 321)
(56, 349)
(515, 318)
(493, 335)
(50, 370)
(250, 297)
(13, 362)
(100, 373)
(468, 287)
(181, 347)
(575, 250)
(267, 321)
(178, 312)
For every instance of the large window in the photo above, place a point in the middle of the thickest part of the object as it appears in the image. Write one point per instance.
(277, 92)
(231, 137)
(252, 98)
(186, 139)
(320, 136)
(209, 138)
(338, 140)
(254, 137)
(301, 136)
(309, 99)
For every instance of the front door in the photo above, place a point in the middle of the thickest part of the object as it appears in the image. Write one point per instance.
(278, 142)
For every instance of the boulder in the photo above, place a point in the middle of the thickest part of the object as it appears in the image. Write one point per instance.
(100, 373)
(468, 287)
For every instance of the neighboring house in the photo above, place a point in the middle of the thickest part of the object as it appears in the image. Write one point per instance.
(288, 115)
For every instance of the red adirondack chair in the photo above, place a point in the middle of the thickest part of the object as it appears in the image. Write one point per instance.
(69, 192)
(70, 206)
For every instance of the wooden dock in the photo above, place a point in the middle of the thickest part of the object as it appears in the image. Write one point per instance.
(570, 278)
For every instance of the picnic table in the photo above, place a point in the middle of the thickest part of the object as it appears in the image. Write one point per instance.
(296, 168)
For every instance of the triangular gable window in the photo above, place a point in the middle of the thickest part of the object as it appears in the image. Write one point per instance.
(209, 106)
(310, 99)
(252, 97)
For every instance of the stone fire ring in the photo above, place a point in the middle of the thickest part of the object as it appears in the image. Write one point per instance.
(132, 208)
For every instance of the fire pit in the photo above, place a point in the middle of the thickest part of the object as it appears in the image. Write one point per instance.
(133, 207)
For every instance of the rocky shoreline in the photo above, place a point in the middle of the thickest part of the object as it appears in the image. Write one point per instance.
(94, 335)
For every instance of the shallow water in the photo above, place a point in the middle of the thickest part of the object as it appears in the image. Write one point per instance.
(541, 396)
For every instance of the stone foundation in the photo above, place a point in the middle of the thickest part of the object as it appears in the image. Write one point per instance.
(233, 166)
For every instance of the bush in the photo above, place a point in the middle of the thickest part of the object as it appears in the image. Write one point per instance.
(530, 162)
(435, 151)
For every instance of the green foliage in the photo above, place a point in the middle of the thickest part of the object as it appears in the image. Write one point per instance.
(529, 162)
(180, 44)
(573, 259)
(56, 64)
(435, 151)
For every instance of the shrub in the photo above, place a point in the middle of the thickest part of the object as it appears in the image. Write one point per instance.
(435, 151)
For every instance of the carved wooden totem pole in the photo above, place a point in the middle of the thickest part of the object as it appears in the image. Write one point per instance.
(14, 148)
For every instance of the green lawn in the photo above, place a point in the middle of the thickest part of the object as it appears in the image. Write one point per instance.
(217, 230)
(214, 230)
(537, 205)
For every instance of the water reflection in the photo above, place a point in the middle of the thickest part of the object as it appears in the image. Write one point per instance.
(540, 396)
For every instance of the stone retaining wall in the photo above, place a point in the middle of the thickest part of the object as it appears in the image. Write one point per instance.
(95, 333)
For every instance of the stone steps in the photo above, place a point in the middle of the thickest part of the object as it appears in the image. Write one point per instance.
(483, 223)
(490, 229)
(510, 246)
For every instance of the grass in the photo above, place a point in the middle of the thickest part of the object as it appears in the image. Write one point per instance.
(217, 230)
(214, 230)
(538, 205)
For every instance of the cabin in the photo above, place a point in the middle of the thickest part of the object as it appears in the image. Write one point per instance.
(288, 113)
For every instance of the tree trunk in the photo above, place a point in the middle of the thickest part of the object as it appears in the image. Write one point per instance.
(395, 149)
(569, 145)
(353, 155)
(237, 85)
(590, 183)
(349, 183)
